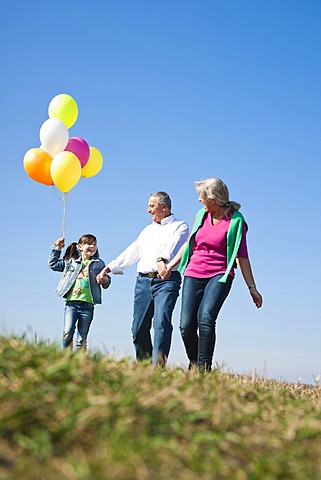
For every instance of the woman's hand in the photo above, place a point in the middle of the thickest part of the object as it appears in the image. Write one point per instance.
(246, 270)
(257, 297)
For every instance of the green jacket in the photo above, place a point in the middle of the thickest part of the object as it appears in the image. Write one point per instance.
(234, 237)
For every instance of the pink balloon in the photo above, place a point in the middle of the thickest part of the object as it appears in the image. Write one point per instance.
(80, 148)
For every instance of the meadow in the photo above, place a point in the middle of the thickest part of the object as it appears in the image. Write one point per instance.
(88, 416)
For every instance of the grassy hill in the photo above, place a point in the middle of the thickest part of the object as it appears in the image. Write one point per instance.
(75, 416)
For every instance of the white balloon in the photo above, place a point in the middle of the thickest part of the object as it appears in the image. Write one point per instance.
(42, 147)
(53, 136)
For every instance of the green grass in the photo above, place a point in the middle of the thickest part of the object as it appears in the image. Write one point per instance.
(76, 416)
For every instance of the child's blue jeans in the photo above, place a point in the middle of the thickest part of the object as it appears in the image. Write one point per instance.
(78, 314)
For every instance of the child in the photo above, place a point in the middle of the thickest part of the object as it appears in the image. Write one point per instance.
(80, 266)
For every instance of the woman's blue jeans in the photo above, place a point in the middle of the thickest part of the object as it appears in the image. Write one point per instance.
(78, 314)
(202, 299)
(154, 299)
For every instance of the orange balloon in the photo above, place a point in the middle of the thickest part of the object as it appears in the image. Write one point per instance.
(37, 163)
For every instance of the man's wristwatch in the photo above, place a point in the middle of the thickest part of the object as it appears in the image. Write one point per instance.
(161, 259)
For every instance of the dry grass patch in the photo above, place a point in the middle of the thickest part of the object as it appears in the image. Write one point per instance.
(76, 416)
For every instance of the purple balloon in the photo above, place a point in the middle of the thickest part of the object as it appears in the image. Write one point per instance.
(80, 148)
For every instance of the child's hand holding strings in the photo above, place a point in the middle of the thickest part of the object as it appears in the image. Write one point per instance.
(59, 243)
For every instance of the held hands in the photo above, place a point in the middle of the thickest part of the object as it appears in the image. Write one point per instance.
(164, 270)
(59, 243)
(102, 277)
(104, 280)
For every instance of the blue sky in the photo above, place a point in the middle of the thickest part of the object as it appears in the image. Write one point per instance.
(170, 92)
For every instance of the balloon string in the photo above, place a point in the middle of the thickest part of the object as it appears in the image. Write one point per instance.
(64, 200)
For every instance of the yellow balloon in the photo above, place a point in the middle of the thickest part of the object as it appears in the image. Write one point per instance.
(94, 164)
(65, 170)
(65, 108)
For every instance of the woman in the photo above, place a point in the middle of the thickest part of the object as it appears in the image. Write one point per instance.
(207, 260)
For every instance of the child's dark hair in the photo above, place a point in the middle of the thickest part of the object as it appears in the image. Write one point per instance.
(72, 250)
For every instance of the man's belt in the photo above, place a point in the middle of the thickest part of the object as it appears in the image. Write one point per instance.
(149, 274)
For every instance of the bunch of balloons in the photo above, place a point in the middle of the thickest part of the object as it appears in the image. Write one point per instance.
(61, 160)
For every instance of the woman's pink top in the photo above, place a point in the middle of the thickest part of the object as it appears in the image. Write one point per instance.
(209, 252)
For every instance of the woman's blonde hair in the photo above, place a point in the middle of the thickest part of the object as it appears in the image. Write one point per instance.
(215, 189)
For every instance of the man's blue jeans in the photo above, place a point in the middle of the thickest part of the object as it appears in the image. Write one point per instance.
(80, 314)
(154, 299)
(202, 299)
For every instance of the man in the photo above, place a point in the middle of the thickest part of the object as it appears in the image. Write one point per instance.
(154, 298)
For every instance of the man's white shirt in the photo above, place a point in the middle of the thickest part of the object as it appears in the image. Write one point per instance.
(156, 240)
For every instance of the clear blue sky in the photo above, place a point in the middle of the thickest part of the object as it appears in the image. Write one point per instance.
(170, 92)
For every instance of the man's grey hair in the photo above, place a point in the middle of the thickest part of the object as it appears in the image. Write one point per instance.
(162, 197)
